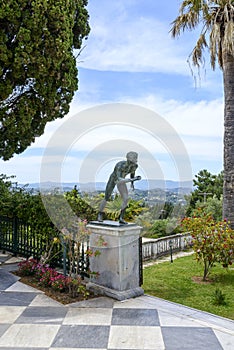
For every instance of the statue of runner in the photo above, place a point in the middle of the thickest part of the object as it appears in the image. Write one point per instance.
(117, 177)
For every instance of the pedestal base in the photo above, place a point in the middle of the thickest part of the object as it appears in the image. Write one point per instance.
(115, 294)
(118, 265)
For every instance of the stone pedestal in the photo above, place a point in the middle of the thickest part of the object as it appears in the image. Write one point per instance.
(118, 264)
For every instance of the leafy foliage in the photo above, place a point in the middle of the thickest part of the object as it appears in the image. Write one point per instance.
(212, 241)
(37, 66)
(163, 227)
(18, 202)
(133, 209)
(212, 206)
(206, 186)
(82, 206)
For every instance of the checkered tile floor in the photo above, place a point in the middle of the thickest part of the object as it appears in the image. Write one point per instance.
(31, 321)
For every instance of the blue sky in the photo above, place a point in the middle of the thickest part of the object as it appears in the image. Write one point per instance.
(130, 58)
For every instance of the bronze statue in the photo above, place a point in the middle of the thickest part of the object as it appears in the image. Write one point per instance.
(117, 177)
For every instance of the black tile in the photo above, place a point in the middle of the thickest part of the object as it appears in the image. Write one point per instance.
(16, 298)
(82, 337)
(10, 267)
(6, 279)
(190, 338)
(4, 258)
(135, 317)
(39, 314)
(3, 328)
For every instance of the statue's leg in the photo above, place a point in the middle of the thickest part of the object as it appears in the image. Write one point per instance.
(109, 189)
(123, 190)
(101, 209)
(102, 205)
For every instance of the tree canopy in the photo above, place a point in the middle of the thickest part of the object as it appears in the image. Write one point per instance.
(37, 66)
(206, 186)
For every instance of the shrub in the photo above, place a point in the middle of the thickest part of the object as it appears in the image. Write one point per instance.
(59, 283)
(163, 227)
(27, 267)
(47, 274)
(49, 277)
(213, 242)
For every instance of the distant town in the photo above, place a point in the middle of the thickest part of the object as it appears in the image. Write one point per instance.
(151, 191)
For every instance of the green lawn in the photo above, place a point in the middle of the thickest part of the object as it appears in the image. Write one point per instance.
(174, 282)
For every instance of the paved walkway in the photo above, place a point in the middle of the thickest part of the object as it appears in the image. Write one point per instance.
(29, 320)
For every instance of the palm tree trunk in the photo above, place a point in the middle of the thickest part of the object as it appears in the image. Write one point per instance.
(228, 187)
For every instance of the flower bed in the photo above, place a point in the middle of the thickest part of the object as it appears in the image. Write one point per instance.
(65, 289)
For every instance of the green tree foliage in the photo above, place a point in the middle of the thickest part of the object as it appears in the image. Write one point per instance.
(81, 206)
(37, 66)
(163, 227)
(167, 210)
(5, 185)
(206, 185)
(16, 201)
(212, 206)
(12, 197)
(213, 242)
(161, 219)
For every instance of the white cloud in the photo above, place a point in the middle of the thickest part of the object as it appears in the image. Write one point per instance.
(191, 118)
(198, 124)
(126, 43)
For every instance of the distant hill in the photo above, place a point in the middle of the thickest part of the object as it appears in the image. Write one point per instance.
(100, 186)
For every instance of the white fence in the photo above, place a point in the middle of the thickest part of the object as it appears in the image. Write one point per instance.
(155, 248)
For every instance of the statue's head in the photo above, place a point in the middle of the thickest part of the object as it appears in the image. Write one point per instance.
(132, 157)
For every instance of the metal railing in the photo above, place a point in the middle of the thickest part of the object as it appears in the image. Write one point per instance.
(20, 238)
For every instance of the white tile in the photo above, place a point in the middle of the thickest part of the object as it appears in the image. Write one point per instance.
(88, 316)
(171, 320)
(225, 339)
(134, 303)
(15, 259)
(8, 314)
(136, 337)
(76, 349)
(21, 287)
(27, 335)
(43, 300)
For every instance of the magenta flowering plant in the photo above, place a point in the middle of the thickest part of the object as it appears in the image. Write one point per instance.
(59, 282)
(47, 276)
(27, 267)
(75, 240)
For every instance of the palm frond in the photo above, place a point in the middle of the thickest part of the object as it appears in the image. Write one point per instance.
(189, 16)
(228, 38)
(215, 39)
(113, 208)
(197, 53)
(218, 19)
(184, 21)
